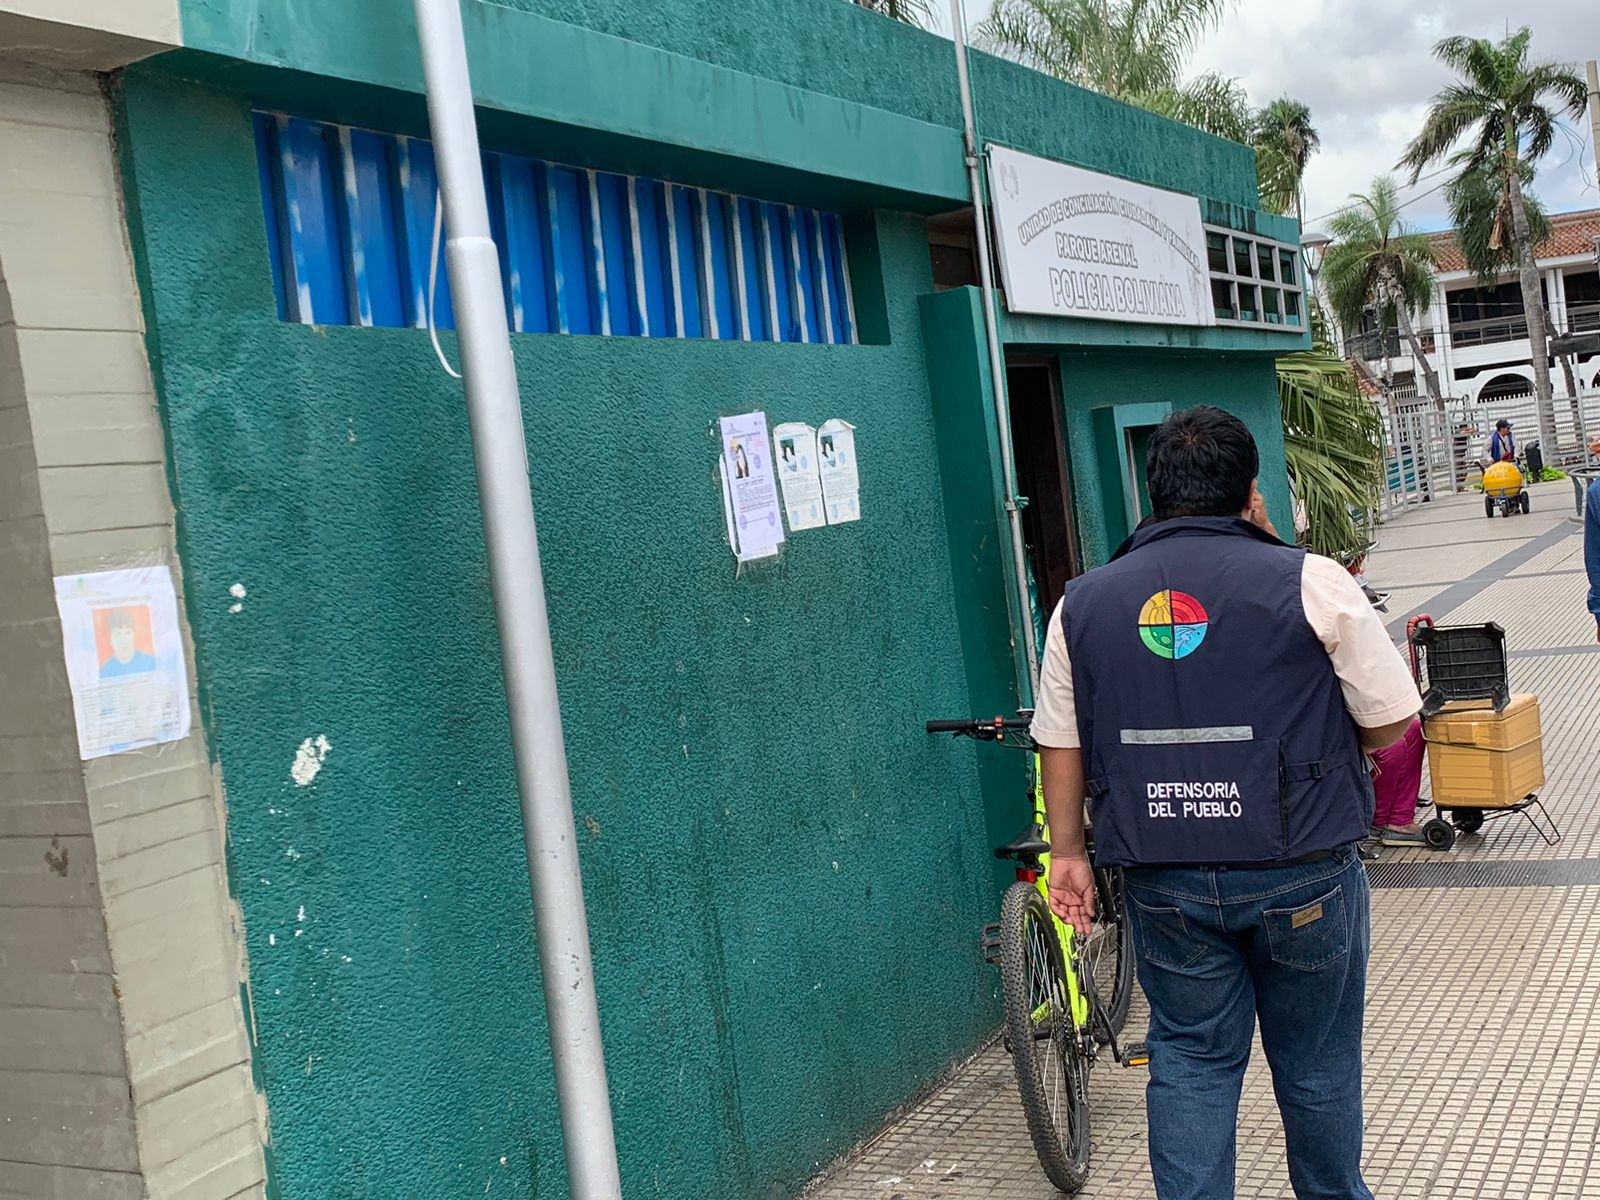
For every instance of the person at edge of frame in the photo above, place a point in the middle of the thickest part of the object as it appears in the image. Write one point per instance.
(1591, 542)
(1210, 694)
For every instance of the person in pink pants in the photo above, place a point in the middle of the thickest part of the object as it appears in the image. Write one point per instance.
(1397, 783)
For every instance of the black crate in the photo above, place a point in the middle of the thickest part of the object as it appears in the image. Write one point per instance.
(1462, 662)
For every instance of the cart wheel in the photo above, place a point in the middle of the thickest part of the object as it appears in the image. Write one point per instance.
(1439, 834)
(1488, 506)
(1527, 505)
(1467, 820)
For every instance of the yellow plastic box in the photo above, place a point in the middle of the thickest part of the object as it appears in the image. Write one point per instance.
(1479, 758)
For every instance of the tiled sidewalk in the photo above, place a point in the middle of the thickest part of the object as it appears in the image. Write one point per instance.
(1483, 1044)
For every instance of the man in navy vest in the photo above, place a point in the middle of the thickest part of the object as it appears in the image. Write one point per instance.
(1210, 692)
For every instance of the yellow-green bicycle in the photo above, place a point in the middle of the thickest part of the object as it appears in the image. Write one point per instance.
(1066, 995)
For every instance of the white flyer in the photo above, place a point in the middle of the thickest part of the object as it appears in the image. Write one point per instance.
(752, 494)
(125, 660)
(841, 486)
(795, 452)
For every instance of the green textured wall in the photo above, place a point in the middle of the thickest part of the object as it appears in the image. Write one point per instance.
(1246, 386)
(733, 78)
(782, 871)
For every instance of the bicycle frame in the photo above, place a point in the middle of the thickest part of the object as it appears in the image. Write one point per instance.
(1066, 936)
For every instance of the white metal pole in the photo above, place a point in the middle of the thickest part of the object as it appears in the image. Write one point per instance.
(1593, 72)
(500, 449)
(1028, 678)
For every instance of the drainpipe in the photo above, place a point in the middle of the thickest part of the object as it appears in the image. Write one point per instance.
(500, 450)
(1028, 674)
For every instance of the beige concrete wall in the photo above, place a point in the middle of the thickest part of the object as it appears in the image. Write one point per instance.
(142, 913)
(88, 35)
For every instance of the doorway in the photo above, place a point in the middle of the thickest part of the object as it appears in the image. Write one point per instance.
(1044, 476)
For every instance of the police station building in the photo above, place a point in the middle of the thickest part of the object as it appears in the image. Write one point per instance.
(293, 932)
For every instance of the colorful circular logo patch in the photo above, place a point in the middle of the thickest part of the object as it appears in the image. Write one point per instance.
(1172, 624)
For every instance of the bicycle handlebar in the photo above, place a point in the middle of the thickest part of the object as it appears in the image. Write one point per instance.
(971, 727)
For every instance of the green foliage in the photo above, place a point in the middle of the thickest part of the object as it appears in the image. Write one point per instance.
(1551, 475)
(1502, 108)
(1285, 140)
(1210, 102)
(1330, 437)
(912, 12)
(1376, 257)
(1480, 210)
(1120, 48)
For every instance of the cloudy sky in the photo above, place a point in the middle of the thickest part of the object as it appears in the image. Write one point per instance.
(1365, 69)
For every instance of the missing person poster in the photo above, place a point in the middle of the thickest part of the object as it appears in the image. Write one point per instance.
(756, 516)
(125, 660)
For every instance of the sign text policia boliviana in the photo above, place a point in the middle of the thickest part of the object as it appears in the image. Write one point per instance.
(1079, 244)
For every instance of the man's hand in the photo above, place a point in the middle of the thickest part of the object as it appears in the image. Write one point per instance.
(1257, 515)
(1072, 890)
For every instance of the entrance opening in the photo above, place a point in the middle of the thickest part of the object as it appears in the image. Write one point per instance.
(1049, 523)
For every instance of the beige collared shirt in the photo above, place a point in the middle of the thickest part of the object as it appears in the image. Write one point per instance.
(1377, 684)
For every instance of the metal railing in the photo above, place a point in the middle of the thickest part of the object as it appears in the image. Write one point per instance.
(1513, 327)
(1430, 450)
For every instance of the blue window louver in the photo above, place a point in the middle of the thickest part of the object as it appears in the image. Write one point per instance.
(349, 216)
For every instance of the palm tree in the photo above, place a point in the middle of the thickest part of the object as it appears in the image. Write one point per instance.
(912, 12)
(1120, 48)
(1285, 140)
(1378, 261)
(1480, 210)
(1330, 438)
(1505, 110)
(1211, 102)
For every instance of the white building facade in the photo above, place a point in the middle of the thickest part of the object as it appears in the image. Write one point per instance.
(1477, 339)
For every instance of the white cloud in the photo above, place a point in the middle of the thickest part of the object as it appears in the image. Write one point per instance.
(1367, 71)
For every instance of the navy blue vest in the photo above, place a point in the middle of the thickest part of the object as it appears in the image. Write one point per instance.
(1214, 729)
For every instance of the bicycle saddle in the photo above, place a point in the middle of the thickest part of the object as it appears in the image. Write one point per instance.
(1024, 847)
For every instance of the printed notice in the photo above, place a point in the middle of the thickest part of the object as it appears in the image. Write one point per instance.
(795, 452)
(752, 495)
(836, 451)
(125, 660)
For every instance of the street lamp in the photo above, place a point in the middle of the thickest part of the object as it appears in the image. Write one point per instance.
(1313, 245)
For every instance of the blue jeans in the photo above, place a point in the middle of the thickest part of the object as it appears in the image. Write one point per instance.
(1219, 948)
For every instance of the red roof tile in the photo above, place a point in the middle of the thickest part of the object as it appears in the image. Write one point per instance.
(1570, 233)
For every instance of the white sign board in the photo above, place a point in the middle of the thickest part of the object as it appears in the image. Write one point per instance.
(1074, 243)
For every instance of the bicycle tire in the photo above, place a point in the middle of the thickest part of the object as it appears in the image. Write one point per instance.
(1108, 958)
(1052, 1073)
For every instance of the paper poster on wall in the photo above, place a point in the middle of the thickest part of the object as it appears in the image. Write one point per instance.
(747, 478)
(125, 660)
(836, 452)
(733, 528)
(795, 451)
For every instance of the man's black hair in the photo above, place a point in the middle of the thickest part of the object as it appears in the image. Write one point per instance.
(1202, 463)
(1502, 423)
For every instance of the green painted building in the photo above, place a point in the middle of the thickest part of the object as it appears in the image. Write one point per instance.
(705, 209)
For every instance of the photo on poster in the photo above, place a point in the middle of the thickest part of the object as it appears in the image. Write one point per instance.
(796, 444)
(125, 659)
(836, 450)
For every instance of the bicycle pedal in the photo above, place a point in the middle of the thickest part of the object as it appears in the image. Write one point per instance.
(989, 943)
(1135, 1054)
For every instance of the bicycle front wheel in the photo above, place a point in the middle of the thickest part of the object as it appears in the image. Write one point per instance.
(1052, 1073)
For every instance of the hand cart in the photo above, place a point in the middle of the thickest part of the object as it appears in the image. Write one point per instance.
(1485, 745)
